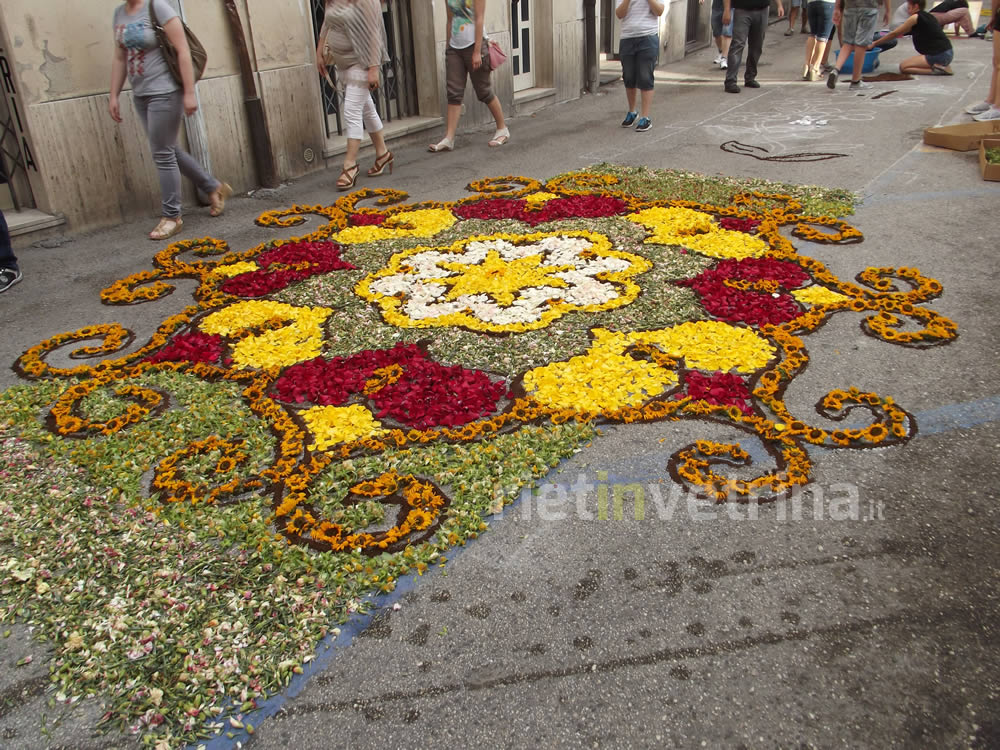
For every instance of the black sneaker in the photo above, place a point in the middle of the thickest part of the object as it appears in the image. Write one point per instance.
(644, 124)
(629, 119)
(751, 84)
(831, 80)
(9, 277)
(732, 88)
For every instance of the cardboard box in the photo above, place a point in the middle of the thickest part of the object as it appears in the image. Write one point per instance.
(965, 137)
(989, 171)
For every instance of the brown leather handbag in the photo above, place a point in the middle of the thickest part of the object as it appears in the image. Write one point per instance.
(199, 57)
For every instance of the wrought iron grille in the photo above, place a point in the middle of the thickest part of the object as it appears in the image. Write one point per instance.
(397, 96)
(13, 165)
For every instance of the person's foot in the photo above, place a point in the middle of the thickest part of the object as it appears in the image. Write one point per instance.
(751, 84)
(993, 113)
(500, 137)
(789, 32)
(831, 80)
(978, 108)
(9, 277)
(629, 120)
(218, 199)
(732, 88)
(719, 59)
(805, 72)
(445, 144)
(824, 69)
(724, 64)
(167, 228)
(942, 70)
(814, 74)
(859, 86)
(644, 124)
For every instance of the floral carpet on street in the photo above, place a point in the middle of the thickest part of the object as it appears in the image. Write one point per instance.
(192, 514)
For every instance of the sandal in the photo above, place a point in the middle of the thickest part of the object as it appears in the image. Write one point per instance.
(219, 199)
(167, 228)
(345, 174)
(381, 162)
(500, 138)
(445, 144)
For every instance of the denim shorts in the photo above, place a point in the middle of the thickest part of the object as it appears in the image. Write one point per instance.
(941, 58)
(859, 26)
(638, 56)
(796, 3)
(821, 19)
(717, 28)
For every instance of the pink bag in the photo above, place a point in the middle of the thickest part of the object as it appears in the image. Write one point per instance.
(497, 56)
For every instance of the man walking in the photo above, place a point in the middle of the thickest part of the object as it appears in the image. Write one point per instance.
(749, 19)
(860, 18)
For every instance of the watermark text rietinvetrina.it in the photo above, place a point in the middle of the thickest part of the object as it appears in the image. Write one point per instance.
(602, 499)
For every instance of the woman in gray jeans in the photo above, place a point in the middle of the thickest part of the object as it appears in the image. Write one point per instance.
(160, 101)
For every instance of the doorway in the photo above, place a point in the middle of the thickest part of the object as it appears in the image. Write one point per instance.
(522, 43)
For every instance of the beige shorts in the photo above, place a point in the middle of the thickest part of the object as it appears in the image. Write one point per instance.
(458, 65)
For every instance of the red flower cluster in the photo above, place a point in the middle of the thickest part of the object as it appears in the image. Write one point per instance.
(366, 220)
(295, 262)
(571, 207)
(739, 225)
(746, 290)
(190, 347)
(401, 382)
(718, 389)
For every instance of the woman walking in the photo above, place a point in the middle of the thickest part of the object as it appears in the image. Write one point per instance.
(354, 33)
(160, 101)
(467, 56)
(820, 16)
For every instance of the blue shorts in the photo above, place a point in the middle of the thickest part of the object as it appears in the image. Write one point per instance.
(796, 3)
(941, 58)
(638, 55)
(717, 28)
(820, 16)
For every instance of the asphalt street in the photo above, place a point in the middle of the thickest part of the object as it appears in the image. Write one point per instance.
(874, 626)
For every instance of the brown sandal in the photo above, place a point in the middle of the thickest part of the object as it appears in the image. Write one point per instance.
(219, 199)
(381, 162)
(345, 174)
(167, 228)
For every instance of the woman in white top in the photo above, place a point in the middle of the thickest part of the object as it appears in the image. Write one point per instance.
(467, 56)
(639, 50)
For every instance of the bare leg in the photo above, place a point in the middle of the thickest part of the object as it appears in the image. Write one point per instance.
(378, 141)
(858, 62)
(819, 52)
(454, 112)
(725, 45)
(647, 99)
(810, 47)
(497, 111)
(793, 13)
(630, 98)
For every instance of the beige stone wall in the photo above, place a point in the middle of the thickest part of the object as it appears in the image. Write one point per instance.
(96, 172)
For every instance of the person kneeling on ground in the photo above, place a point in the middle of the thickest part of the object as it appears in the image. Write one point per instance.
(929, 40)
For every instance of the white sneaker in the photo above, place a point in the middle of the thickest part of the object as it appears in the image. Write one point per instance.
(975, 109)
(724, 64)
(991, 114)
(859, 86)
(719, 59)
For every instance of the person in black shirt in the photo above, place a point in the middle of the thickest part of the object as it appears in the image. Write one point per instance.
(929, 40)
(749, 19)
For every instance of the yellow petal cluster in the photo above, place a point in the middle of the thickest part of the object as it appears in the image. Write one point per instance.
(537, 200)
(818, 295)
(292, 334)
(607, 378)
(235, 269)
(697, 231)
(424, 222)
(331, 425)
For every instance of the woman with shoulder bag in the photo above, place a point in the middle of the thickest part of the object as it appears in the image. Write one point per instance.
(467, 55)
(160, 101)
